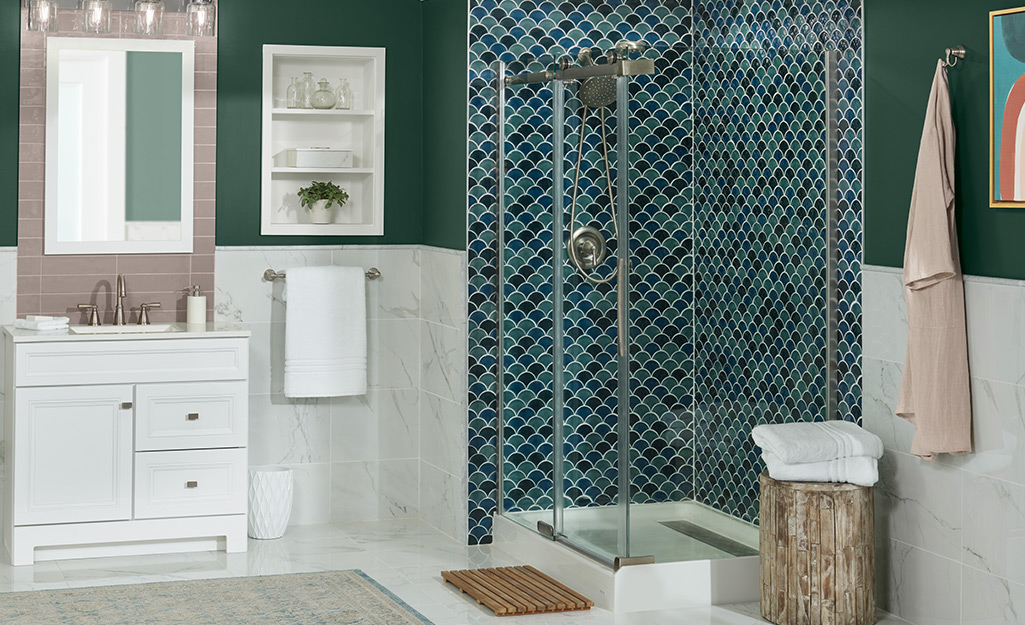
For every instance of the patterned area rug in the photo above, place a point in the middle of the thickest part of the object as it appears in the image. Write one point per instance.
(332, 598)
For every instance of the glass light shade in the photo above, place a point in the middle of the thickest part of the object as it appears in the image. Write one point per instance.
(42, 16)
(200, 17)
(149, 17)
(96, 16)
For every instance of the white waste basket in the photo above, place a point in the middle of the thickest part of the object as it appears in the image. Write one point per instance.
(270, 501)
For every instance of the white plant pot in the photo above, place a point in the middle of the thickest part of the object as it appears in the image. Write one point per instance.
(270, 501)
(319, 213)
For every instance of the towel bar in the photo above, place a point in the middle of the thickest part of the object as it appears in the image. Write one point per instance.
(372, 274)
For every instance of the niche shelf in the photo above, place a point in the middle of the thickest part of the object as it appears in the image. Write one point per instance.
(360, 129)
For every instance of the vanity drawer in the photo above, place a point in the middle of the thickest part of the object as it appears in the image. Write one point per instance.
(190, 483)
(191, 415)
(130, 362)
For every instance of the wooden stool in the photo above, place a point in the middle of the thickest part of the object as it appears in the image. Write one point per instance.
(817, 553)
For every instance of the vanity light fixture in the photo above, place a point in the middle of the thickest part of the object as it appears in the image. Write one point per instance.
(200, 16)
(96, 16)
(42, 16)
(149, 17)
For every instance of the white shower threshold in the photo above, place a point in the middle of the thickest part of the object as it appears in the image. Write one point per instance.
(660, 586)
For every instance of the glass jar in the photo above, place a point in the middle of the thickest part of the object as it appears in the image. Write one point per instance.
(343, 95)
(323, 98)
(293, 97)
(307, 90)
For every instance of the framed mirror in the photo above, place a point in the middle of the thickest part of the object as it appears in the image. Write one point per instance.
(119, 146)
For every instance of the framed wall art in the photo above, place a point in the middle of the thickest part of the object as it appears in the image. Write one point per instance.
(1007, 108)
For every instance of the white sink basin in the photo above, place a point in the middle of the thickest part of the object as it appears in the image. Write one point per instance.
(152, 328)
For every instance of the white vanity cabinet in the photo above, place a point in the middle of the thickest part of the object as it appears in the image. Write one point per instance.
(125, 443)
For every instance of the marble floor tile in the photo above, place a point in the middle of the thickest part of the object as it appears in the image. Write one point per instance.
(405, 556)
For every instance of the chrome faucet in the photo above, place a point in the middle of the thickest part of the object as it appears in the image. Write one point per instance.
(119, 308)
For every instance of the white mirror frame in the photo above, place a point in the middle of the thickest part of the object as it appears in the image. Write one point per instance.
(51, 246)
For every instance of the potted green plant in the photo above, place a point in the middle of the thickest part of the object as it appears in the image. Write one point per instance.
(319, 197)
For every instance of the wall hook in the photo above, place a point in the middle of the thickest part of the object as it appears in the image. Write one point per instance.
(953, 54)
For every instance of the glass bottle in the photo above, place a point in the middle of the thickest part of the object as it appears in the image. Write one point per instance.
(307, 90)
(343, 95)
(323, 98)
(293, 99)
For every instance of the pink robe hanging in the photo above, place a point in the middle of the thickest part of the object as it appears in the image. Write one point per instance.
(934, 393)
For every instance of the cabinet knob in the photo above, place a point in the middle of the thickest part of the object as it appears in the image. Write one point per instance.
(191, 484)
(126, 405)
(192, 416)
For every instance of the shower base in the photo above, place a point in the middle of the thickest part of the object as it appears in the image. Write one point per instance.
(691, 569)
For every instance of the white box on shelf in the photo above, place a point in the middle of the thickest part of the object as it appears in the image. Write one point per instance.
(318, 158)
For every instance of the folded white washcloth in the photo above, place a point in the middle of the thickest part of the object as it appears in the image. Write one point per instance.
(860, 470)
(795, 443)
(57, 323)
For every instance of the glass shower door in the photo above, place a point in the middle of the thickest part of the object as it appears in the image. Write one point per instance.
(592, 504)
(563, 402)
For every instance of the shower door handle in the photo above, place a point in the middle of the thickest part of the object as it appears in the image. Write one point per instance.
(621, 304)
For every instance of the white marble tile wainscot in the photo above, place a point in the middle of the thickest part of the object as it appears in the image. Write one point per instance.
(951, 535)
(8, 312)
(443, 425)
(379, 456)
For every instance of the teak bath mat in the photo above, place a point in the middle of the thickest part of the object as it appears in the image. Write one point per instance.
(513, 590)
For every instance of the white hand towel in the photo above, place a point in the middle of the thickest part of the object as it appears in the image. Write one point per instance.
(57, 323)
(860, 470)
(326, 332)
(816, 442)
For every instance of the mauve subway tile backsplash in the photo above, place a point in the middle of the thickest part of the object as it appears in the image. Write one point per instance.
(55, 285)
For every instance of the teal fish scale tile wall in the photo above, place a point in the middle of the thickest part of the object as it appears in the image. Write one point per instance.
(766, 365)
(760, 273)
(664, 429)
(660, 365)
(519, 32)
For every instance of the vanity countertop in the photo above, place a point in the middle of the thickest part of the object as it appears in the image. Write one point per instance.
(215, 330)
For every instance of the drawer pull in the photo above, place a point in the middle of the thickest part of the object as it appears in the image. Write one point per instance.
(126, 405)
(192, 416)
(191, 484)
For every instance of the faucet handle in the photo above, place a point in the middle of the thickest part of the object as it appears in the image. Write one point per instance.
(144, 312)
(94, 317)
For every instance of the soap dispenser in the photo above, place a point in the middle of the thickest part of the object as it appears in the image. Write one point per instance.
(195, 307)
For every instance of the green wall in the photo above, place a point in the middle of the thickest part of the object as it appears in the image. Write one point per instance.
(10, 53)
(153, 152)
(444, 122)
(425, 151)
(903, 40)
(243, 28)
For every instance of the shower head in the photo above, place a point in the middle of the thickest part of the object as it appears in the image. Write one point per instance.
(598, 91)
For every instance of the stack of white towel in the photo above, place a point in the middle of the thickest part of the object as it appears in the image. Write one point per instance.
(43, 324)
(831, 451)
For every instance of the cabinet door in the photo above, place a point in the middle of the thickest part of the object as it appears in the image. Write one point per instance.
(72, 454)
